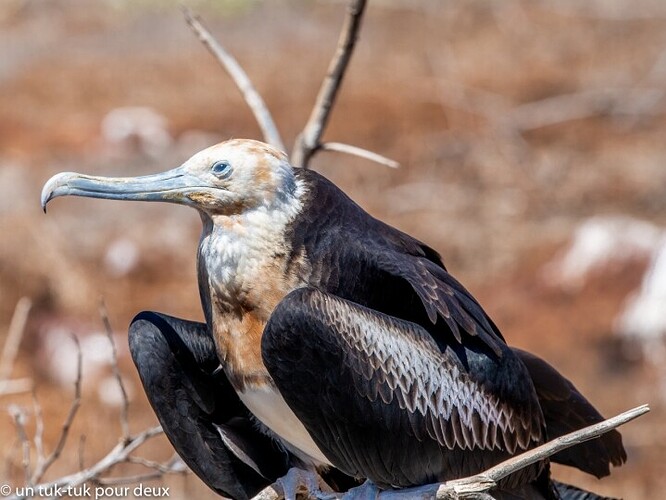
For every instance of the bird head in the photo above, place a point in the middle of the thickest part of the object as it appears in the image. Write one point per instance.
(229, 178)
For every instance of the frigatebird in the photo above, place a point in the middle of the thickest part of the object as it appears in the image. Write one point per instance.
(334, 342)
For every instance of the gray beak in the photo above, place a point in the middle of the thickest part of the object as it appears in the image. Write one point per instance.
(170, 186)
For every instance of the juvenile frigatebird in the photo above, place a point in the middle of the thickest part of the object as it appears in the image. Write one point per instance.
(333, 341)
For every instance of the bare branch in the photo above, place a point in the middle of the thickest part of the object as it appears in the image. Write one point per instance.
(119, 454)
(240, 78)
(43, 465)
(137, 478)
(563, 442)
(82, 445)
(124, 411)
(360, 152)
(14, 336)
(39, 428)
(18, 415)
(15, 386)
(308, 141)
(174, 466)
(477, 486)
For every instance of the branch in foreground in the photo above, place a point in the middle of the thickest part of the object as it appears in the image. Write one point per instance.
(360, 152)
(240, 78)
(455, 489)
(477, 486)
(119, 454)
(308, 141)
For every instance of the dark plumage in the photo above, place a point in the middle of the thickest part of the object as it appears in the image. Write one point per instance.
(342, 341)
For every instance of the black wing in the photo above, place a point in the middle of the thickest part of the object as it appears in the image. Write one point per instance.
(391, 404)
(357, 257)
(566, 410)
(199, 411)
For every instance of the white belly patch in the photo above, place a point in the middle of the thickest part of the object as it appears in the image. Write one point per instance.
(268, 405)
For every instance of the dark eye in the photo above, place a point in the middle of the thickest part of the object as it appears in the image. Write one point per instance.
(221, 169)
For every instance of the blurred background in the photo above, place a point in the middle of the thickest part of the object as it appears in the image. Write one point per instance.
(531, 135)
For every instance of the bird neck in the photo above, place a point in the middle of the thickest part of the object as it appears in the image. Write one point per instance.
(243, 273)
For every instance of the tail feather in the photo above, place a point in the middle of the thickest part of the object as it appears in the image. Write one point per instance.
(568, 492)
(566, 410)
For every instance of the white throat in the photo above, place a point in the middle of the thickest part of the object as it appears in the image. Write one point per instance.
(240, 249)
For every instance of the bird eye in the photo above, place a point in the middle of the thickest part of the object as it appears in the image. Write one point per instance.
(221, 169)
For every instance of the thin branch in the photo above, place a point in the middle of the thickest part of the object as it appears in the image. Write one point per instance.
(119, 454)
(15, 386)
(173, 466)
(481, 483)
(563, 442)
(308, 141)
(477, 486)
(14, 336)
(18, 415)
(137, 478)
(124, 411)
(360, 152)
(43, 465)
(39, 428)
(82, 445)
(240, 78)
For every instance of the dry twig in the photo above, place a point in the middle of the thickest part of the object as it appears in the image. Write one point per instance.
(18, 415)
(43, 464)
(309, 140)
(360, 152)
(124, 411)
(119, 454)
(38, 439)
(243, 82)
(11, 347)
(15, 386)
(477, 486)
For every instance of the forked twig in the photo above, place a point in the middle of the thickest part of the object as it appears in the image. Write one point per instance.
(308, 142)
(43, 464)
(119, 454)
(240, 78)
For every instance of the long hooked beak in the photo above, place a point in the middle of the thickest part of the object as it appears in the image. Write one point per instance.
(170, 186)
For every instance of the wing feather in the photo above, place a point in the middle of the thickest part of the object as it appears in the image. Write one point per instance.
(566, 410)
(386, 380)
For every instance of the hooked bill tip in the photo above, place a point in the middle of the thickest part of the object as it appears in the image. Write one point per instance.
(49, 189)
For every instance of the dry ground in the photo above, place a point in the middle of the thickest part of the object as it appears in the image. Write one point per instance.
(493, 184)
